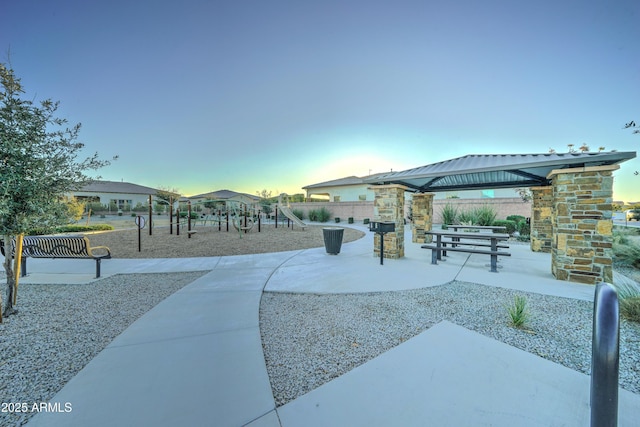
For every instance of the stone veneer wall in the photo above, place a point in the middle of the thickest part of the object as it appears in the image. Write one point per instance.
(541, 223)
(582, 224)
(388, 206)
(422, 211)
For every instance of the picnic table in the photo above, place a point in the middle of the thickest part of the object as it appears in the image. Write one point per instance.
(457, 245)
(494, 228)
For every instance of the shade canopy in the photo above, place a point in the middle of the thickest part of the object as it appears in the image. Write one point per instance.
(495, 170)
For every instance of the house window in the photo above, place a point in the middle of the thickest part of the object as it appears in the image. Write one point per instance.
(487, 194)
(336, 198)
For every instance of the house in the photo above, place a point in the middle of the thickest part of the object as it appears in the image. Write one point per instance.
(225, 195)
(349, 189)
(115, 195)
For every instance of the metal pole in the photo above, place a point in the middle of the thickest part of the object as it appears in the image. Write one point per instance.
(170, 215)
(258, 220)
(139, 222)
(150, 214)
(189, 219)
(381, 248)
(605, 357)
(276, 216)
(177, 221)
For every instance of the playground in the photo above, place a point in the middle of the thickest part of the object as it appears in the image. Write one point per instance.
(208, 241)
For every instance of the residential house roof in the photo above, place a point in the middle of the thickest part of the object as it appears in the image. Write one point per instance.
(117, 187)
(223, 195)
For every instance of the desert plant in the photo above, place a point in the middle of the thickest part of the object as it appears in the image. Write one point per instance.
(518, 312)
(628, 297)
(350, 220)
(323, 214)
(337, 219)
(467, 217)
(449, 214)
(365, 221)
(298, 212)
(626, 250)
(485, 215)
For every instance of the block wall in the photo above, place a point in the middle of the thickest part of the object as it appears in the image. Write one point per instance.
(422, 211)
(541, 221)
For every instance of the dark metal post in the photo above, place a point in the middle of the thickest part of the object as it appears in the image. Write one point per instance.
(276, 216)
(150, 214)
(605, 357)
(139, 223)
(258, 220)
(177, 221)
(227, 220)
(189, 219)
(381, 248)
(219, 220)
(170, 215)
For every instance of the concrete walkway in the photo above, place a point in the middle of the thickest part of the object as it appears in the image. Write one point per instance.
(196, 358)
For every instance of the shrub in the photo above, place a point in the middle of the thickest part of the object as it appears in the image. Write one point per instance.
(626, 250)
(337, 219)
(516, 218)
(298, 212)
(313, 215)
(75, 228)
(485, 215)
(518, 312)
(511, 225)
(350, 220)
(467, 217)
(628, 297)
(449, 214)
(323, 214)
(365, 221)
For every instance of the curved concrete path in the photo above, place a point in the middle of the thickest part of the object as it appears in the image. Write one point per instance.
(196, 358)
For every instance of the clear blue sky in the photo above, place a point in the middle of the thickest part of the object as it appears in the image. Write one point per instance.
(252, 95)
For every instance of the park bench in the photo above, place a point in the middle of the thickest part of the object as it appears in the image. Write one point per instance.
(59, 247)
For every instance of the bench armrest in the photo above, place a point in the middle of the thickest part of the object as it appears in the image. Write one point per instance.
(103, 252)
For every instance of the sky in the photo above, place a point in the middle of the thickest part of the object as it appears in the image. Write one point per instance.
(248, 95)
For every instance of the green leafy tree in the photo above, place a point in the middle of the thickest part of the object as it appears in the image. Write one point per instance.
(39, 164)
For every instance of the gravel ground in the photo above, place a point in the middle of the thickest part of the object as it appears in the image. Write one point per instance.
(309, 340)
(208, 241)
(60, 328)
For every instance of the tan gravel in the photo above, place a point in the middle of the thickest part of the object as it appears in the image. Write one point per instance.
(208, 241)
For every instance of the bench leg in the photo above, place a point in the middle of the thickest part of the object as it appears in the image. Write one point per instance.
(434, 256)
(23, 267)
(97, 268)
(494, 263)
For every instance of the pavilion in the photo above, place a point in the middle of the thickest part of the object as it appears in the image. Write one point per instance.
(571, 211)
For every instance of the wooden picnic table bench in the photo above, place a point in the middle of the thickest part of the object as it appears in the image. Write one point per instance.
(59, 247)
(456, 245)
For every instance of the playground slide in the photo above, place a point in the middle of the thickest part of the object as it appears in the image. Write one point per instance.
(286, 210)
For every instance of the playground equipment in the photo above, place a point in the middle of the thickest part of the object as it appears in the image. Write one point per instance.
(242, 216)
(285, 208)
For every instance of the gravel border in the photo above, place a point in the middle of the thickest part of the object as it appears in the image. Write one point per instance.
(310, 339)
(60, 328)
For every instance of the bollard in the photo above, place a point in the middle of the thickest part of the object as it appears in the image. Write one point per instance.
(605, 357)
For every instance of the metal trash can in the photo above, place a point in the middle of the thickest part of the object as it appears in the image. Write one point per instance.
(333, 239)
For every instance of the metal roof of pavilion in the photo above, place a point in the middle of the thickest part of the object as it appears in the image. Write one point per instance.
(496, 170)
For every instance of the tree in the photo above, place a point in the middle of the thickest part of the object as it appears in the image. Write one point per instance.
(38, 165)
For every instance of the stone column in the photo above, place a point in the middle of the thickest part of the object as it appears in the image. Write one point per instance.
(422, 214)
(582, 224)
(541, 225)
(388, 206)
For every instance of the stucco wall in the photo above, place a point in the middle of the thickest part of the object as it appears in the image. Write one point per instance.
(360, 210)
